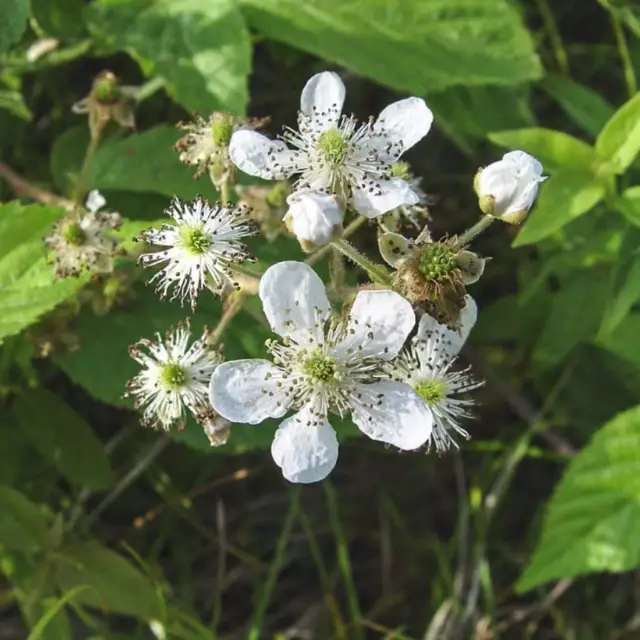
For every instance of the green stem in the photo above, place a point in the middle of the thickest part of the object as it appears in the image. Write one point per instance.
(81, 187)
(225, 191)
(376, 271)
(350, 229)
(554, 35)
(625, 56)
(475, 230)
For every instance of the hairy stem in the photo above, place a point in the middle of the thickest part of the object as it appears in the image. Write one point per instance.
(350, 229)
(376, 271)
(82, 185)
(475, 230)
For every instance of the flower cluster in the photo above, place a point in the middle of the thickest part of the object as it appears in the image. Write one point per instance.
(388, 361)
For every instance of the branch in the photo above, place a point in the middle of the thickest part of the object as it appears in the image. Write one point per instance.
(29, 190)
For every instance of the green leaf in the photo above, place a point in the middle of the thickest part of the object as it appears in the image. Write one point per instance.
(629, 205)
(619, 141)
(23, 525)
(555, 150)
(414, 45)
(27, 286)
(13, 21)
(12, 101)
(201, 47)
(593, 517)
(585, 107)
(575, 315)
(120, 585)
(63, 438)
(59, 18)
(564, 197)
(623, 340)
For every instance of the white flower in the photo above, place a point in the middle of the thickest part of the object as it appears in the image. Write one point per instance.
(313, 217)
(508, 188)
(412, 213)
(174, 378)
(334, 154)
(200, 247)
(427, 366)
(318, 369)
(84, 241)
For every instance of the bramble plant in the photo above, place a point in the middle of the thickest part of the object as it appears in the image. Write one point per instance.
(182, 294)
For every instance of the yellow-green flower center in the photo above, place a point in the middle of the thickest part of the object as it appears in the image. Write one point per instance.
(74, 234)
(222, 129)
(105, 89)
(401, 170)
(194, 240)
(333, 146)
(437, 261)
(173, 376)
(431, 391)
(320, 366)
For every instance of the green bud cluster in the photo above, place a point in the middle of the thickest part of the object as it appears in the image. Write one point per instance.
(437, 261)
(73, 233)
(173, 376)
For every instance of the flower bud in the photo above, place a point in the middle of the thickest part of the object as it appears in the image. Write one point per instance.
(314, 218)
(508, 188)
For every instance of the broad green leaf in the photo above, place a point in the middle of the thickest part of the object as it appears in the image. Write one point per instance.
(593, 518)
(201, 47)
(13, 21)
(122, 588)
(141, 162)
(564, 197)
(63, 438)
(23, 525)
(27, 286)
(410, 45)
(59, 18)
(575, 315)
(623, 340)
(585, 107)
(619, 142)
(555, 150)
(629, 205)
(12, 101)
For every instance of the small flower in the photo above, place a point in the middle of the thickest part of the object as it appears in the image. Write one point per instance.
(206, 143)
(426, 366)
(84, 241)
(200, 247)
(412, 213)
(314, 218)
(107, 100)
(508, 188)
(319, 369)
(334, 154)
(432, 274)
(267, 206)
(173, 379)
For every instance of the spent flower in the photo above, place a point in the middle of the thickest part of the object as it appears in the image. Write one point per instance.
(336, 155)
(319, 368)
(267, 206)
(200, 247)
(508, 188)
(174, 378)
(427, 366)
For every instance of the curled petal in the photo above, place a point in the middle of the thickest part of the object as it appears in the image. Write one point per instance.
(394, 248)
(247, 391)
(294, 300)
(379, 323)
(386, 196)
(392, 412)
(323, 97)
(304, 448)
(405, 121)
(260, 156)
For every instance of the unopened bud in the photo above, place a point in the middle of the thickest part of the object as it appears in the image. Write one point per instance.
(314, 218)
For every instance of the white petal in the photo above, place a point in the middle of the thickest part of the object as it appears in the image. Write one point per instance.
(391, 194)
(394, 248)
(314, 216)
(260, 156)
(524, 161)
(323, 97)
(500, 181)
(305, 450)
(406, 121)
(246, 391)
(95, 201)
(294, 299)
(379, 323)
(392, 412)
(447, 341)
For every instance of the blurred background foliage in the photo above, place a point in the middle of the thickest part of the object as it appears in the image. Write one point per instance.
(111, 531)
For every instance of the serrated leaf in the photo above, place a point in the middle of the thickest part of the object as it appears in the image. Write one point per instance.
(575, 315)
(116, 585)
(23, 525)
(201, 47)
(13, 21)
(619, 141)
(593, 517)
(555, 150)
(27, 286)
(566, 196)
(63, 437)
(409, 45)
(585, 107)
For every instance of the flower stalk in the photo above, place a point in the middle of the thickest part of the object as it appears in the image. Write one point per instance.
(475, 230)
(376, 271)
